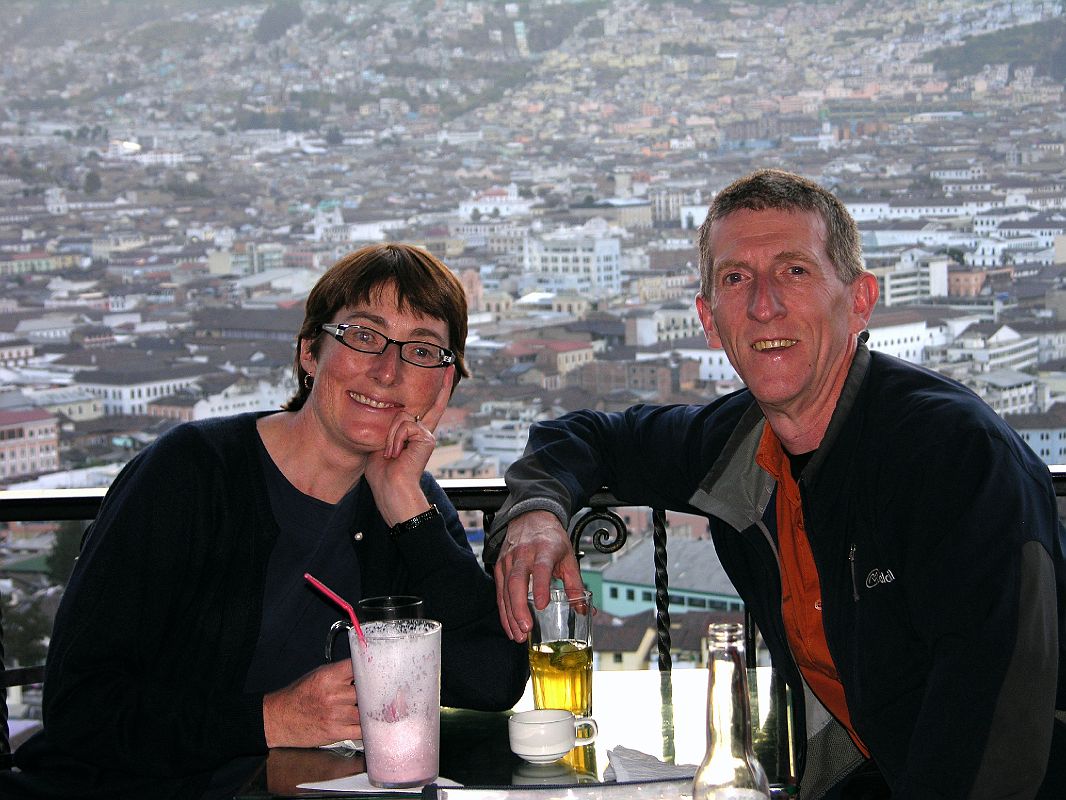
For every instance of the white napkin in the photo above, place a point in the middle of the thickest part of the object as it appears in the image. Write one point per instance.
(633, 765)
(361, 783)
(345, 746)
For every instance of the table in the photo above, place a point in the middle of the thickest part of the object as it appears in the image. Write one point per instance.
(662, 716)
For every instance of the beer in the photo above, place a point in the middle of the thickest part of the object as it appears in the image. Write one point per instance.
(562, 675)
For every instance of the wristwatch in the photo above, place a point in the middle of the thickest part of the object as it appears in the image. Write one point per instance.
(416, 521)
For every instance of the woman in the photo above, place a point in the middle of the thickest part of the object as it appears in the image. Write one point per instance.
(187, 636)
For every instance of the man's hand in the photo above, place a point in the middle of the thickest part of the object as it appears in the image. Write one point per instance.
(317, 709)
(537, 547)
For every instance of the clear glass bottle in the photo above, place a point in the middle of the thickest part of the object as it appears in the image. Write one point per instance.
(730, 770)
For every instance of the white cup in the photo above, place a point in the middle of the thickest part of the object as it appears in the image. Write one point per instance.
(548, 734)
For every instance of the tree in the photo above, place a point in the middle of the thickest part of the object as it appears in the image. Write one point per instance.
(65, 549)
(1057, 60)
(26, 632)
(92, 182)
(276, 20)
(334, 137)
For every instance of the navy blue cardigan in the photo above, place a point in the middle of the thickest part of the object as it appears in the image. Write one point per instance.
(153, 638)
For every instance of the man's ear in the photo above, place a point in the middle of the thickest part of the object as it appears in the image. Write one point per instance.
(703, 309)
(864, 294)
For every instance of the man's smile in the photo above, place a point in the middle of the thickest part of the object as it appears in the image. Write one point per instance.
(773, 344)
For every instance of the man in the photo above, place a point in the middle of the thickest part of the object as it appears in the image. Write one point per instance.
(897, 544)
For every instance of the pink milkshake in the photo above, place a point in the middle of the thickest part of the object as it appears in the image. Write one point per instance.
(397, 683)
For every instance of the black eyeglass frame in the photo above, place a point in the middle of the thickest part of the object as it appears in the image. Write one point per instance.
(336, 330)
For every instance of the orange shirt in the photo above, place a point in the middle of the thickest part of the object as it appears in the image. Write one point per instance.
(801, 594)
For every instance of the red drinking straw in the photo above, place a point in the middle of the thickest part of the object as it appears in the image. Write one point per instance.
(336, 598)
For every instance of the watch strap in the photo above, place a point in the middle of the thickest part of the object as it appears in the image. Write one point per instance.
(417, 521)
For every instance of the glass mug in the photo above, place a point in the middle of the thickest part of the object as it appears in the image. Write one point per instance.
(560, 653)
(377, 609)
(397, 676)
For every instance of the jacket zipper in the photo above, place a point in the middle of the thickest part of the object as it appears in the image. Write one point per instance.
(854, 585)
(801, 754)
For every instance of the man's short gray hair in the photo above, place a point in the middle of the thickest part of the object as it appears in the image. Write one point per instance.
(785, 191)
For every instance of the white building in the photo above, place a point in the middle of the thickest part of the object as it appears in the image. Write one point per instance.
(575, 260)
(130, 393)
(670, 323)
(49, 328)
(991, 346)
(502, 439)
(73, 402)
(334, 224)
(497, 202)
(1045, 432)
(239, 396)
(917, 276)
(1008, 391)
(901, 335)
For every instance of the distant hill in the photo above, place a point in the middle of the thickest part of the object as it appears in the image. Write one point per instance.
(50, 22)
(1041, 45)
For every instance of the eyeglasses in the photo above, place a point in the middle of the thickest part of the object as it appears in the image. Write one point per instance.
(368, 340)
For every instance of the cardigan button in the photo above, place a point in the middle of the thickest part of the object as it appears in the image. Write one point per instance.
(357, 536)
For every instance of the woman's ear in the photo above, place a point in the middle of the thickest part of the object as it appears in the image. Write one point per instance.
(307, 358)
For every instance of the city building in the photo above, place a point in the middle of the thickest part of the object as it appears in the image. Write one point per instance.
(29, 443)
(133, 391)
(575, 260)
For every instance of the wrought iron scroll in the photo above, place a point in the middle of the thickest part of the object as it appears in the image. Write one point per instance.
(605, 539)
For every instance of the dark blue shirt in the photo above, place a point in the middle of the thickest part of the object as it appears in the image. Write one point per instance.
(314, 537)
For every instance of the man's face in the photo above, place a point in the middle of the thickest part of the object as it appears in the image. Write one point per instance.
(787, 323)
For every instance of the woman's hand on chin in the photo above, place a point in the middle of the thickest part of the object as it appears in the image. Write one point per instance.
(395, 471)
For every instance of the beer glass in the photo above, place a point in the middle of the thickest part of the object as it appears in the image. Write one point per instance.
(560, 653)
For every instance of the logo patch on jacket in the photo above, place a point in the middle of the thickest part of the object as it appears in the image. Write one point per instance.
(876, 577)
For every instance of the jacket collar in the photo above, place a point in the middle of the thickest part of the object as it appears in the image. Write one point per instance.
(737, 490)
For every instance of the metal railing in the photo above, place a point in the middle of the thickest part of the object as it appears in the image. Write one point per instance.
(598, 525)
(606, 531)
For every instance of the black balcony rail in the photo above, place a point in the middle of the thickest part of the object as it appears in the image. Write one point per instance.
(597, 524)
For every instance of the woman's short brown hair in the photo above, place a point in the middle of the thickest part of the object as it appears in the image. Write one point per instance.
(423, 285)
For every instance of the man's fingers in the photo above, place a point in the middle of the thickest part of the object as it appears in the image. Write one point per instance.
(570, 574)
(516, 592)
(503, 601)
(543, 568)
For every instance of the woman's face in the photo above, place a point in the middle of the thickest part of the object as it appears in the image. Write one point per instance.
(356, 396)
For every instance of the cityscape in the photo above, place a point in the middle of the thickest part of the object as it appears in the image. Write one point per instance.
(176, 174)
